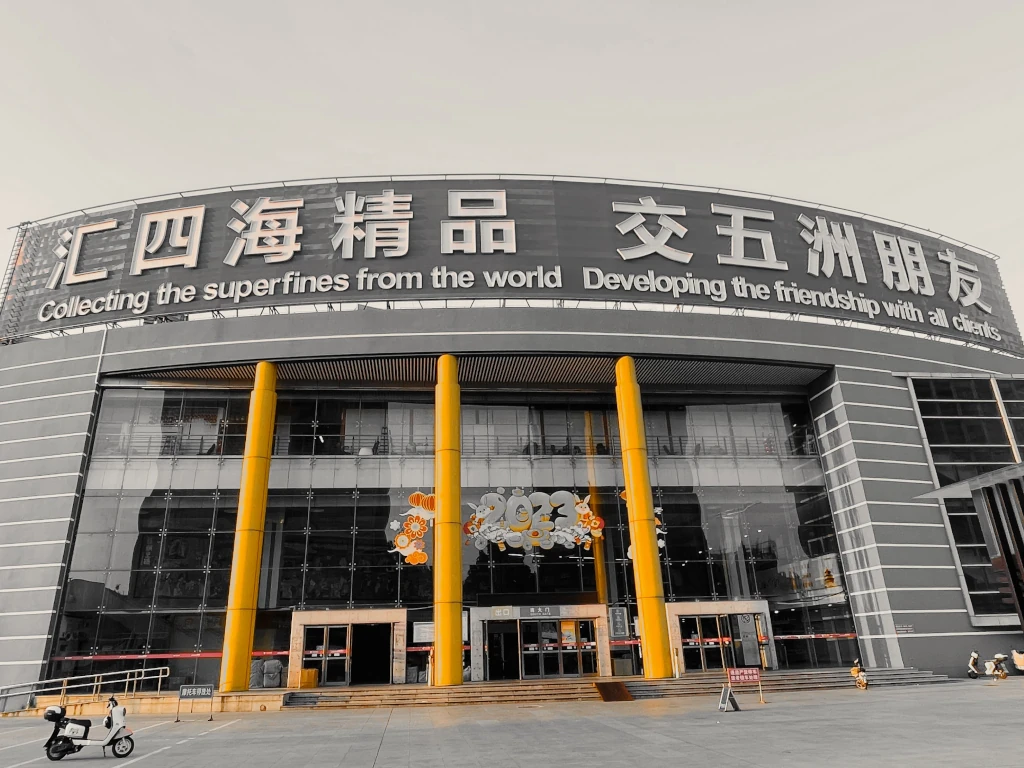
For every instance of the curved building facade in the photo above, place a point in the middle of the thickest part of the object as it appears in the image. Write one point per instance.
(447, 429)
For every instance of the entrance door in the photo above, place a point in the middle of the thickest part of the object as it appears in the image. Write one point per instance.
(325, 649)
(503, 650)
(371, 654)
(723, 640)
(565, 648)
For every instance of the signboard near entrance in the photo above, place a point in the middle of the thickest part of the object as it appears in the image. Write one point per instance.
(423, 631)
(191, 693)
(526, 612)
(618, 622)
(744, 675)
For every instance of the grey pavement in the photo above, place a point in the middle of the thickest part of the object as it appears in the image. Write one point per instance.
(972, 723)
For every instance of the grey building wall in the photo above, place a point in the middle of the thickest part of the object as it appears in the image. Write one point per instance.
(909, 607)
(48, 393)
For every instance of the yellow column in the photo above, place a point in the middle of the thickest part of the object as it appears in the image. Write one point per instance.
(252, 511)
(650, 594)
(447, 667)
(600, 567)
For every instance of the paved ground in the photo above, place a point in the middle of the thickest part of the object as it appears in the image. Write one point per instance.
(954, 725)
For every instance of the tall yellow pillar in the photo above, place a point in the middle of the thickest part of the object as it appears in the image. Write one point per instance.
(447, 667)
(240, 622)
(600, 567)
(650, 593)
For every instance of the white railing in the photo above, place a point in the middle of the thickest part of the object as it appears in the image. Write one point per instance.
(89, 685)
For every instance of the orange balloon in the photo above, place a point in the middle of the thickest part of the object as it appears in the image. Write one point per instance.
(416, 498)
(429, 502)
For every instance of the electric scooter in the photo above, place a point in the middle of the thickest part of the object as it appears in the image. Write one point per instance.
(994, 667)
(70, 736)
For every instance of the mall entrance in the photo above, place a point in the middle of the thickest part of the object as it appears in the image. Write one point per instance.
(719, 634)
(356, 654)
(539, 642)
(531, 649)
(347, 647)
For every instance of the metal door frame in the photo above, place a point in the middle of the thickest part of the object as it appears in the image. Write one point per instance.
(321, 681)
(718, 608)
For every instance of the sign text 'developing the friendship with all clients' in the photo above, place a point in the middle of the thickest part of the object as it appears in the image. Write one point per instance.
(498, 239)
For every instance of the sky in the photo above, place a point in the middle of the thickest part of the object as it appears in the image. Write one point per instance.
(907, 110)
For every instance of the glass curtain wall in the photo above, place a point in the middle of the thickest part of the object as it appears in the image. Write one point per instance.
(967, 438)
(738, 486)
(150, 565)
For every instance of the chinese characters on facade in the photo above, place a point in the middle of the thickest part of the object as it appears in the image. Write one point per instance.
(477, 222)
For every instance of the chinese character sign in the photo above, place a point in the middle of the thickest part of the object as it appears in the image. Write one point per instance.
(508, 241)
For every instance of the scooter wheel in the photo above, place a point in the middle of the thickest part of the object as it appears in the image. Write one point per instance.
(123, 746)
(972, 675)
(54, 752)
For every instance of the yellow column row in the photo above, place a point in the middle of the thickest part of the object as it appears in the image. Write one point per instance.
(447, 662)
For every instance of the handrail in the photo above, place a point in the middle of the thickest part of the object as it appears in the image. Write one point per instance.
(130, 677)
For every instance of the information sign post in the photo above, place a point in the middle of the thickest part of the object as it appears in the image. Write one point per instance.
(191, 693)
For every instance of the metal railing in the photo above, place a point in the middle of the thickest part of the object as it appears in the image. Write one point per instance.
(94, 685)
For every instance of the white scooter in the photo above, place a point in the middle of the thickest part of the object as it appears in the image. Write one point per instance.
(69, 736)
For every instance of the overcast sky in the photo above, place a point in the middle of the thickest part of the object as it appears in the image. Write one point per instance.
(908, 110)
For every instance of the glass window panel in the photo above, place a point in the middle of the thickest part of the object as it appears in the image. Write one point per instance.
(157, 424)
(953, 389)
(141, 513)
(686, 544)
(330, 549)
(122, 633)
(222, 550)
(329, 586)
(974, 554)
(289, 587)
(293, 550)
(98, 513)
(180, 589)
(184, 551)
(190, 513)
(513, 578)
(944, 455)
(129, 590)
(175, 633)
(375, 585)
(85, 591)
(289, 510)
(217, 584)
(331, 511)
(211, 633)
(966, 529)
(76, 635)
(992, 604)
(370, 431)
(983, 579)
(417, 585)
(134, 551)
(559, 577)
(273, 631)
(1011, 389)
(201, 418)
(91, 552)
(973, 408)
(227, 509)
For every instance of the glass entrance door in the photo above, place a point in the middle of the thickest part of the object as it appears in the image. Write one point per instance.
(551, 648)
(723, 640)
(325, 649)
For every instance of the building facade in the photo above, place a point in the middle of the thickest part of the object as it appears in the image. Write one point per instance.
(487, 428)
